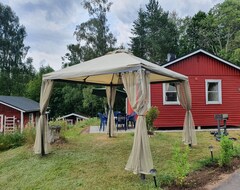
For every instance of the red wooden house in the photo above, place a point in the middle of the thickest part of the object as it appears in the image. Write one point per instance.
(215, 87)
(17, 112)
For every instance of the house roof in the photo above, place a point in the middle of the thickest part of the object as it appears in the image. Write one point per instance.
(73, 114)
(20, 103)
(204, 52)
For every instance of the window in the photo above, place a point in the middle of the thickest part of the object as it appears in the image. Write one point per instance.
(30, 118)
(170, 94)
(213, 91)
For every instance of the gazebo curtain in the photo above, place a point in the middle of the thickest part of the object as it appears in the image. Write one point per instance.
(184, 96)
(41, 140)
(111, 94)
(136, 85)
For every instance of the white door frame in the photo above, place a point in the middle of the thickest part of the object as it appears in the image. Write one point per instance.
(1, 123)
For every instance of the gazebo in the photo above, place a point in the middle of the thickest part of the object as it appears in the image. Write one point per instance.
(135, 74)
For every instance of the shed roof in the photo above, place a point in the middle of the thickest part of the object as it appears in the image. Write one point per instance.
(73, 114)
(20, 103)
(204, 52)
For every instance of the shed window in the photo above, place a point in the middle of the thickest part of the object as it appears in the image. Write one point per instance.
(170, 94)
(213, 92)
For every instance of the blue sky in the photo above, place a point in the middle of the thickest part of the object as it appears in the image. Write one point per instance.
(50, 23)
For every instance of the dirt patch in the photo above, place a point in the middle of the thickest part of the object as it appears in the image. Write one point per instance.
(207, 178)
(85, 130)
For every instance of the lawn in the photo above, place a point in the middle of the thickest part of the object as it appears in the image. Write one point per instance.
(95, 161)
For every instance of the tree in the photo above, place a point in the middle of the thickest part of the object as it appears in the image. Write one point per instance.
(155, 34)
(15, 70)
(93, 40)
(93, 37)
(33, 87)
(217, 31)
(227, 25)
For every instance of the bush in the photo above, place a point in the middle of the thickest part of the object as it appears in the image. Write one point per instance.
(226, 151)
(236, 150)
(63, 124)
(29, 134)
(11, 140)
(180, 163)
(152, 114)
(88, 122)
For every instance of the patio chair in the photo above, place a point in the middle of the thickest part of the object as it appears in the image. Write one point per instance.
(121, 121)
(131, 119)
(116, 113)
(103, 121)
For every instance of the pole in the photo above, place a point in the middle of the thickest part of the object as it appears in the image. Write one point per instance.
(42, 137)
(110, 114)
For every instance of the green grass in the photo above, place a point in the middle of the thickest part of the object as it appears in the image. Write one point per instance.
(94, 161)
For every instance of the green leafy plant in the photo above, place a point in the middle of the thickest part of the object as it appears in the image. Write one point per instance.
(236, 150)
(29, 134)
(152, 114)
(226, 151)
(11, 140)
(181, 164)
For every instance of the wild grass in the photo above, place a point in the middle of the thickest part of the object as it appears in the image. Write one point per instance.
(95, 161)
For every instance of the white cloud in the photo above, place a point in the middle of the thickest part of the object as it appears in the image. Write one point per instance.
(50, 23)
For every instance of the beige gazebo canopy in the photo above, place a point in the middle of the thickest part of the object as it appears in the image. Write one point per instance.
(136, 74)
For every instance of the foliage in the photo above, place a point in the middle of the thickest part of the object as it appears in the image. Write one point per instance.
(226, 151)
(181, 163)
(15, 69)
(154, 34)
(33, 87)
(88, 122)
(152, 114)
(93, 36)
(62, 123)
(11, 140)
(236, 150)
(216, 31)
(29, 134)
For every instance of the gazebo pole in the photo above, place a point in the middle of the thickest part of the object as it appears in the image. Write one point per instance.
(42, 141)
(110, 106)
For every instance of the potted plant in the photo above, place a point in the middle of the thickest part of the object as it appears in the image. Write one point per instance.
(152, 114)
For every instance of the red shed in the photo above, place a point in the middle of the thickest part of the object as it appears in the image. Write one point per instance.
(17, 112)
(215, 87)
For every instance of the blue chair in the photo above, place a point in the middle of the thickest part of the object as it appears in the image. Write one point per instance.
(116, 113)
(103, 121)
(121, 120)
(131, 119)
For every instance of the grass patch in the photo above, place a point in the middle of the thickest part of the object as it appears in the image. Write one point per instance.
(94, 161)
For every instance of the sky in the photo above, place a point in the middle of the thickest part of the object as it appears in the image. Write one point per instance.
(50, 24)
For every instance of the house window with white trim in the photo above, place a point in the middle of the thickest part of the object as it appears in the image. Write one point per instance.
(170, 94)
(213, 91)
(30, 118)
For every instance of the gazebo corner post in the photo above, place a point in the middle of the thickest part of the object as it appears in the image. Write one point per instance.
(42, 141)
(110, 111)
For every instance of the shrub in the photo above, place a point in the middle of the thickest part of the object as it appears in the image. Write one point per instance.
(236, 150)
(11, 140)
(152, 114)
(63, 124)
(88, 122)
(29, 134)
(226, 151)
(180, 163)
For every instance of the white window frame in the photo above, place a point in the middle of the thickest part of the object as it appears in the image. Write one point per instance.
(219, 91)
(31, 118)
(164, 97)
